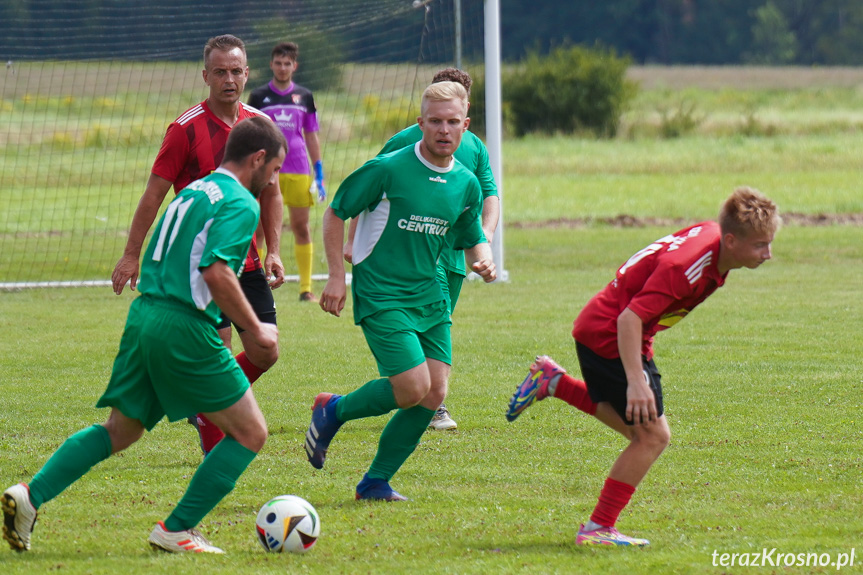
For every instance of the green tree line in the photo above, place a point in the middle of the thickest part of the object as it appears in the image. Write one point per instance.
(801, 32)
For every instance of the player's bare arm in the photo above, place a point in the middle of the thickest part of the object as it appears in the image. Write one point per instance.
(481, 261)
(333, 297)
(228, 295)
(490, 216)
(272, 212)
(348, 249)
(128, 266)
(640, 403)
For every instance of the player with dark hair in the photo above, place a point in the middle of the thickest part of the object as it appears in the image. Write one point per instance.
(171, 361)
(292, 108)
(192, 148)
(652, 291)
(451, 266)
(410, 205)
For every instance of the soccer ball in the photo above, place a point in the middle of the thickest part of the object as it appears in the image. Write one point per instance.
(288, 523)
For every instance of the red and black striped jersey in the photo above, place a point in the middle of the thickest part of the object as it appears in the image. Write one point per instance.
(193, 148)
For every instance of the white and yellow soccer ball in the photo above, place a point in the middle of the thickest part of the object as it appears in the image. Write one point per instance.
(288, 523)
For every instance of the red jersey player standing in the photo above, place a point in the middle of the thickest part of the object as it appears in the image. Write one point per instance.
(653, 290)
(193, 148)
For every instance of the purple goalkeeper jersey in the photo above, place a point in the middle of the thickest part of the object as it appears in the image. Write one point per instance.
(294, 112)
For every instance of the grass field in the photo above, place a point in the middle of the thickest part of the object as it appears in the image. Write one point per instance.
(762, 382)
(762, 393)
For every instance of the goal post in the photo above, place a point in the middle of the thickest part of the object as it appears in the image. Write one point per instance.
(494, 122)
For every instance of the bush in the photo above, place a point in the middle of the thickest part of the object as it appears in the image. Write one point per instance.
(572, 89)
(384, 120)
(674, 123)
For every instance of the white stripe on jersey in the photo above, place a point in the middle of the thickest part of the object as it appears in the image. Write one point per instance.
(370, 227)
(694, 273)
(200, 290)
(255, 110)
(191, 113)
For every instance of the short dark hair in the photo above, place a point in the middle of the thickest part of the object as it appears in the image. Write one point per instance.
(289, 49)
(251, 135)
(454, 75)
(225, 42)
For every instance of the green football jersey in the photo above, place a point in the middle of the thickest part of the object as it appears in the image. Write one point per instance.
(474, 155)
(407, 210)
(211, 219)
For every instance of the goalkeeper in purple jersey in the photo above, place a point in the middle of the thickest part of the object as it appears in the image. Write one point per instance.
(292, 108)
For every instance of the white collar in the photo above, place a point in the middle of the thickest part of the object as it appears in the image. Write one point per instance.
(229, 173)
(431, 166)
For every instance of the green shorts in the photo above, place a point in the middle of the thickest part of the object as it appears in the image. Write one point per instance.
(402, 339)
(450, 284)
(171, 362)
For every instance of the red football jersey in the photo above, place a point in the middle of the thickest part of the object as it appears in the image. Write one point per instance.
(193, 148)
(661, 283)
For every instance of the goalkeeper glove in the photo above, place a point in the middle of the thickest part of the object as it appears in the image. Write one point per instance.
(319, 181)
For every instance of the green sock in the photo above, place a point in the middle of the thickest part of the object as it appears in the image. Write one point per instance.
(70, 462)
(376, 397)
(213, 480)
(399, 439)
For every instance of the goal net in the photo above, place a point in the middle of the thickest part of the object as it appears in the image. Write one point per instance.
(90, 87)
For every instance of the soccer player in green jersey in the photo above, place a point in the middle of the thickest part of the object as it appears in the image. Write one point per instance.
(410, 204)
(171, 360)
(451, 267)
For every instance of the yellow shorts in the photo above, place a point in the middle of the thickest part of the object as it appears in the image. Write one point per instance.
(296, 190)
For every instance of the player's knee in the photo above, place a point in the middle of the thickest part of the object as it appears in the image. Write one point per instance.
(263, 357)
(654, 438)
(122, 436)
(657, 439)
(413, 395)
(254, 436)
(259, 440)
(436, 394)
(270, 358)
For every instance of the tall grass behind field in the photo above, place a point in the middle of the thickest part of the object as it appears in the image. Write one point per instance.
(683, 178)
(727, 100)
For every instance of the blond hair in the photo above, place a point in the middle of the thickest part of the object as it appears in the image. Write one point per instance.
(444, 92)
(747, 210)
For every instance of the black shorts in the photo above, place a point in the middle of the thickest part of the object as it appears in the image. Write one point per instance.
(606, 380)
(260, 296)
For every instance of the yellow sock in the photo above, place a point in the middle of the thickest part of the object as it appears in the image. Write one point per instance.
(304, 254)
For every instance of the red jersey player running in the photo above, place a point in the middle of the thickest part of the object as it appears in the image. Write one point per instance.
(193, 148)
(653, 290)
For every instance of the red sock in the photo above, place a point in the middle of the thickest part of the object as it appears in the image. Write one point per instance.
(253, 372)
(210, 433)
(612, 499)
(574, 392)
